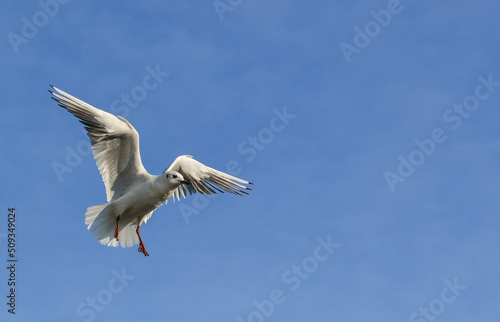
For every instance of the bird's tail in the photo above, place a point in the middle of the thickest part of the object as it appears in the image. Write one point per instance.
(101, 222)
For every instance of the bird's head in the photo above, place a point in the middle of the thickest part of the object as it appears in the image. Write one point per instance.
(175, 177)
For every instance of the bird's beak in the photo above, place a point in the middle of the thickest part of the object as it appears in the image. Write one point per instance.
(185, 182)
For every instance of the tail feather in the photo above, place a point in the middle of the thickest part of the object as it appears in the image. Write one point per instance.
(101, 223)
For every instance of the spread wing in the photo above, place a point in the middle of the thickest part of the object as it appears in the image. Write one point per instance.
(204, 179)
(115, 144)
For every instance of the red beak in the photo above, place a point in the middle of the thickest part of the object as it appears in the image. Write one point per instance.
(185, 182)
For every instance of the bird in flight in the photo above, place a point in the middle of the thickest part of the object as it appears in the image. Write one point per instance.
(132, 193)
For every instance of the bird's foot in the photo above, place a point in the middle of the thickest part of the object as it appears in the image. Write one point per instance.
(143, 250)
(117, 230)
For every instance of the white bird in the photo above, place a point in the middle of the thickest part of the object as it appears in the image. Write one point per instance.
(132, 193)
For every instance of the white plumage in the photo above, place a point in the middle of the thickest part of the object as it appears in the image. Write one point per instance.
(132, 193)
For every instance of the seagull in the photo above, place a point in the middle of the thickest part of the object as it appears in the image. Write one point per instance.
(132, 193)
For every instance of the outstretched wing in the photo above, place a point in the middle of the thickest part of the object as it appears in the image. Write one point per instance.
(204, 179)
(115, 144)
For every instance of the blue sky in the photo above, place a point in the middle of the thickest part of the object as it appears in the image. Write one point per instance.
(375, 199)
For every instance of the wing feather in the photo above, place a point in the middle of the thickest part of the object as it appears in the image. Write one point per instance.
(115, 144)
(204, 179)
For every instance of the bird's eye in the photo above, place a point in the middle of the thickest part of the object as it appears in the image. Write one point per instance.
(175, 176)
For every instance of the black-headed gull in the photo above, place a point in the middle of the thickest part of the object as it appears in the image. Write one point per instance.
(132, 193)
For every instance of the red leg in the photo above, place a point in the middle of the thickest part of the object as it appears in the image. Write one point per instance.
(117, 230)
(141, 249)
